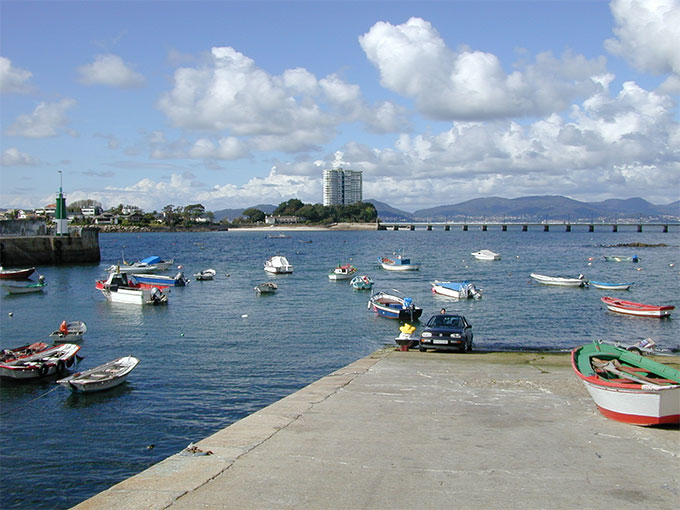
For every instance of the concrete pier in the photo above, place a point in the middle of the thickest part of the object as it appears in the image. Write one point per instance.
(411, 430)
(29, 250)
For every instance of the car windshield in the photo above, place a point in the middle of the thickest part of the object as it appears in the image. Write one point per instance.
(450, 321)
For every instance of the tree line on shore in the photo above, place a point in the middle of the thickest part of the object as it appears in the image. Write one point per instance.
(196, 214)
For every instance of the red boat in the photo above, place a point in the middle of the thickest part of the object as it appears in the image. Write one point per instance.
(7, 355)
(640, 309)
(46, 362)
(16, 274)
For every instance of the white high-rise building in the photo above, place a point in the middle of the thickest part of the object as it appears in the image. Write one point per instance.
(342, 187)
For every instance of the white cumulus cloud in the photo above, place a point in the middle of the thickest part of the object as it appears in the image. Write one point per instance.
(647, 34)
(413, 60)
(290, 112)
(14, 157)
(48, 119)
(110, 70)
(13, 79)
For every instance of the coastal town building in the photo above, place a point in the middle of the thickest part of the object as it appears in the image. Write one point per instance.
(342, 187)
(279, 220)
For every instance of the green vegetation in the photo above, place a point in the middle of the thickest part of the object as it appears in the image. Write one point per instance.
(359, 212)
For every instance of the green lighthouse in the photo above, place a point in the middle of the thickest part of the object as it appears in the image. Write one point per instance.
(60, 212)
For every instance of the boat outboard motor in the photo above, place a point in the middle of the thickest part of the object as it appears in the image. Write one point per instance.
(408, 304)
(156, 295)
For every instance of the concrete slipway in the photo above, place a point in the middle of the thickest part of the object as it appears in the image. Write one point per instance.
(410, 430)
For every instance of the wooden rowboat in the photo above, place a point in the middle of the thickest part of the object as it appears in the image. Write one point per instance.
(628, 387)
(15, 274)
(103, 377)
(559, 280)
(609, 286)
(639, 309)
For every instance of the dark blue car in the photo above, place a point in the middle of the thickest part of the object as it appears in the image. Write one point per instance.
(446, 332)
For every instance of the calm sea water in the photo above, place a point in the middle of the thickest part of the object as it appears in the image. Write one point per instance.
(219, 352)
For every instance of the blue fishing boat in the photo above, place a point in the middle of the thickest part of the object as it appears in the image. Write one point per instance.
(398, 263)
(609, 286)
(394, 307)
(157, 280)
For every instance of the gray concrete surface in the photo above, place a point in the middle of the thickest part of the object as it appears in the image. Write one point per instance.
(410, 430)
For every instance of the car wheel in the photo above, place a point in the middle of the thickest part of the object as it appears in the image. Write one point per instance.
(422, 349)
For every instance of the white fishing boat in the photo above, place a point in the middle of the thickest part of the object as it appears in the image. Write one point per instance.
(69, 331)
(23, 287)
(117, 289)
(266, 288)
(486, 255)
(559, 280)
(206, 274)
(106, 376)
(458, 290)
(278, 264)
(342, 272)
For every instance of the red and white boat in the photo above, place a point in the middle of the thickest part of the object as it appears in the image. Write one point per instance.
(628, 387)
(631, 308)
(40, 364)
(16, 274)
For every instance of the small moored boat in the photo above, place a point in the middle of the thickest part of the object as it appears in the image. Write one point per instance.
(361, 282)
(278, 264)
(70, 331)
(458, 290)
(7, 355)
(559, 280)
(394, 307)
(159, 280)
(609, 286)
(206, 274)
(639, 309)
(16, 274)
(398, 263)
(43, 363)
(342, 272)
(486, 255)
(25, 287)
(266, 288)
(622, 258)
(106, 376)
(118, 289)
(628, 387)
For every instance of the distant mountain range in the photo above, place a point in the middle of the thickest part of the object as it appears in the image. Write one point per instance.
(232, 214)
(536, 208)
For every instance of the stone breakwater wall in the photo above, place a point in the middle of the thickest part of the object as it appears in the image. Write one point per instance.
(50, 250)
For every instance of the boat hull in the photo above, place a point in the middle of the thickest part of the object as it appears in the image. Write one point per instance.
(400, 267)
(23, 289)
(42, 364)
(558, 281)
(16, 274)
(610, 286)
(101, 378)
(637, 309)
(486, 255)
(392, 307)
(626, 394)
(637, 407)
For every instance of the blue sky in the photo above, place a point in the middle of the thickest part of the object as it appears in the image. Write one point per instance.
(232, 104)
